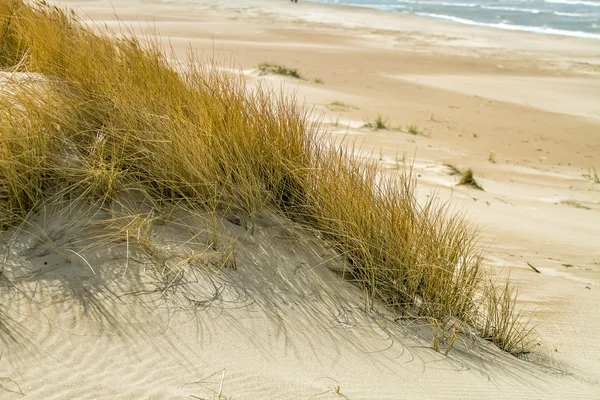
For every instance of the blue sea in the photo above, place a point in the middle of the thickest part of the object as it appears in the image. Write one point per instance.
(579, 18)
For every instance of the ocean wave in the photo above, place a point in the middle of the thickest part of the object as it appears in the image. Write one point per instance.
(574, 2)
(381, 7)
(536, 11)
(436, 3)
(568, 2)
(442, 3)
(533, 29)
(470, 5)
(515, 9)
(568, 14)
(528, 10)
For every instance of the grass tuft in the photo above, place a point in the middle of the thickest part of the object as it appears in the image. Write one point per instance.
(467, 179)
(452, 169)
(339, 105)
(573, 203)
(92, 117)
(377, 124)
(502, 325)
(413, 129)
(592, 175)
(267, 68)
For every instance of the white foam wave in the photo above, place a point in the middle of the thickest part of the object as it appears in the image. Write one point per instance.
(534, 29)
(529, 10)
(569, 2)
(470, 5)
(381, 7)
(575, 2)
(568, 14)
(436, 3)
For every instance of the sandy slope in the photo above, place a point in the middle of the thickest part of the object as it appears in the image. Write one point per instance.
(531, 100)
(282, 325)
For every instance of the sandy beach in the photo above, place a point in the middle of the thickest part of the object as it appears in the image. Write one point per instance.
(521, 109)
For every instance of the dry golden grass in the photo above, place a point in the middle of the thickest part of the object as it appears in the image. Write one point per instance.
(452, 169)
(592, 175)
(468, 179)
(111, 115)
(377, 124)
(266, 68)
(502, 324)
(339, 105)
(573, 203)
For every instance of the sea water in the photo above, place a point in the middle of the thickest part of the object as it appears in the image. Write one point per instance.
(579, 18)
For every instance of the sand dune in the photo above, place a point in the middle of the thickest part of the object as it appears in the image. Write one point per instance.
(284, 325)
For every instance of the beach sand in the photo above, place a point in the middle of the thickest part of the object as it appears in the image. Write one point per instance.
(521, 110)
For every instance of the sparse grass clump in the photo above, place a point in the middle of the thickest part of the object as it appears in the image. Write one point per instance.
(592, 175)
(339, 105)
(573, 203)
(452, 169)
(502, 324)
(267, 68)
(377, 124)
(111, 116)
(467, 179)
(413, 129)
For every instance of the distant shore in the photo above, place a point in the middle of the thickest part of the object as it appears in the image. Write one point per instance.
(547, 18)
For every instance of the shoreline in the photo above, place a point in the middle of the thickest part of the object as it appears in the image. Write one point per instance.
(348, 16)
(547, 31)
(526, 68)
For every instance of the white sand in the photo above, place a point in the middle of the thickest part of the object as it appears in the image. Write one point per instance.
(284, 326)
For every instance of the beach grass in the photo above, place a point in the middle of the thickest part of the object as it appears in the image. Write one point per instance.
(468, 179)
(413, 129)
(452, 169)
(592, 175)
(379, 123)
(267, 68)
(89, 116)
(339, 105)
(573, 203)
